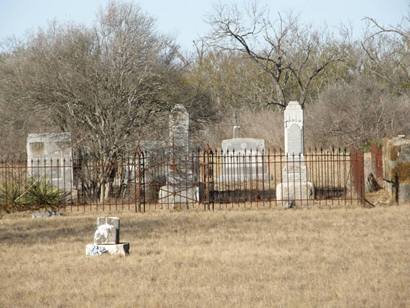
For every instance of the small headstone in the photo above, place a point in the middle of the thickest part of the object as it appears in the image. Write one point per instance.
(108, 230)
(107, 238)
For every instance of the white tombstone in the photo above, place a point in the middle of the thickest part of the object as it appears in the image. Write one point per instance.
(293, 122)
(49, 157)
(295, 187)
(242, 160)
(107, 239)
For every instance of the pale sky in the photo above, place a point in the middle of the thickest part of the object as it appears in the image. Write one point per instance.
(185, 20)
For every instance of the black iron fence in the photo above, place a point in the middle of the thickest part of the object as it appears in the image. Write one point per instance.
(203, 179)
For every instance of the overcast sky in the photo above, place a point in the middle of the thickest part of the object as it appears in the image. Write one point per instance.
(185, 20)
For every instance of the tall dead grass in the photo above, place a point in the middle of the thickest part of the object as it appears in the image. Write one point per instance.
(343, 257)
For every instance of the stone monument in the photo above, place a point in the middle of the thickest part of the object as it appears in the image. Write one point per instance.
(107, 238)
(49, 156)
(242, 160)
(179, 186)
(294, 187)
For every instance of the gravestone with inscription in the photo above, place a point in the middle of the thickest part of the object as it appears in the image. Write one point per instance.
(49, 158)
(243, 160)
(179, 186)
(295, 187)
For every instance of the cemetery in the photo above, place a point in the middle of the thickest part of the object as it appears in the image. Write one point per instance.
(243, 172)
(212, 154)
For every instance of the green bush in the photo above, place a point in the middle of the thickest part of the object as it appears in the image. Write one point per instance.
(35, 194)
(11, 197)
(42, 194)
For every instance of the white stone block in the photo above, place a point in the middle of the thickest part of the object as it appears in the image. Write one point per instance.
(121, 249)
(299, 192)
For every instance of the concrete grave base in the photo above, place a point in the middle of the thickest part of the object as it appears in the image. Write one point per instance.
(121, 249)
(169, 194)
(297, 193)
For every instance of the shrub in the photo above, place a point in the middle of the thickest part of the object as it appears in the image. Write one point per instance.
(35, 194)
(41, 194)
(11, 197)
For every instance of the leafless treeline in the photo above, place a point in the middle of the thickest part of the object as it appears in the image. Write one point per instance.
(112, 84)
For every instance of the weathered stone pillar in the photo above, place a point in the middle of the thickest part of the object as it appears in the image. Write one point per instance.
(295, 187)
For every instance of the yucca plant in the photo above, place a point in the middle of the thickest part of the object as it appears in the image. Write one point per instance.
(12, 196)
(41, 194)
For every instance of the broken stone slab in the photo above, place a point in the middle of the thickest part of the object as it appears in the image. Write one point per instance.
(121, 249)
(108, 231)
(45, 214)
(294, 193)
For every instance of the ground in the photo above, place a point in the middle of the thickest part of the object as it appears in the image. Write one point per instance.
(250, 258)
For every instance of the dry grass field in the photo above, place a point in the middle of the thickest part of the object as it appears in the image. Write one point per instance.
(243, 258)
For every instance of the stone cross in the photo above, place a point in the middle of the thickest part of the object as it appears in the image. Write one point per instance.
(236, 127)
(293, 123)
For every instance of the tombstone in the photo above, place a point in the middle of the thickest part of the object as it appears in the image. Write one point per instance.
(107, 239)
(108, 230)
(242, 160)
(49, 157)
(179, 186)
(293, 122)
(295, 187)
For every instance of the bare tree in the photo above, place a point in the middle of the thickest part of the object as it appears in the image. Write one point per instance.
(104, 83)
(293, 56)
(388, 49)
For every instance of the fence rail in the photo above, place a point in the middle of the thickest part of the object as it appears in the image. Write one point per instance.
(170, 179)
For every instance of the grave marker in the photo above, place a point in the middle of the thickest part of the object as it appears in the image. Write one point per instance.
(49, 157)
(179, 186)
(295, 187)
